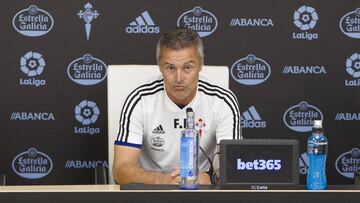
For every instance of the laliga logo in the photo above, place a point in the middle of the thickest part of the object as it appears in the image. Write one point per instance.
(32, 164)
(353, 65)
(32, 64)
(86, 112)
(348, 162)
(305, 18)
(259, 165)
(200, 20)
(300, 117)
(87, 70)
(350, 24)
(250, 70)
(33, 22)
(353, 69)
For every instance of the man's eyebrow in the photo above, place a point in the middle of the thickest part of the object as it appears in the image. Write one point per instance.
(189, 62)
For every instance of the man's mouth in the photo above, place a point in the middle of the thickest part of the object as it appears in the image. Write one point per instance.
(178, 87)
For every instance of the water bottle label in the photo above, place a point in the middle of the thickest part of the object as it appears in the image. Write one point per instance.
(317, 147)
(187, 157)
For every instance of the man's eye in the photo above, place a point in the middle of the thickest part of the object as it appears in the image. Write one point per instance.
(170, 68)
(188, 69)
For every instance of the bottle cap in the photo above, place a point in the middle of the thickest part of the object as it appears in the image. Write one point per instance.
(317, 123)
(190, 113)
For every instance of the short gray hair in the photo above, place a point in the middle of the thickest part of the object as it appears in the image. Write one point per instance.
(180, 38)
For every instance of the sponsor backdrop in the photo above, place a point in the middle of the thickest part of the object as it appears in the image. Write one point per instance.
(290, 62)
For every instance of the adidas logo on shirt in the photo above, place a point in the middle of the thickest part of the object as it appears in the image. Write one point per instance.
(158, 130)
(143, 24)
(252, 119)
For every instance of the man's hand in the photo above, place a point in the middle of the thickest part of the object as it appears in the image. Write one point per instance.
(170, 178)
(204, 179)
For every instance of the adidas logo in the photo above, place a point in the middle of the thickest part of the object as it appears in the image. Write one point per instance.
(252, 119)
(158, 130)
(143, 24)
(303, 164)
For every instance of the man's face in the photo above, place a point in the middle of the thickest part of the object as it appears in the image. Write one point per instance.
(180, 70)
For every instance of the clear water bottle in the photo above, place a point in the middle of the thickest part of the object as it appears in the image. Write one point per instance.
(189, 151)
(317, 148)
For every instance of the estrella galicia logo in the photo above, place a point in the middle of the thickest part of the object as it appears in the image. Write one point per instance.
(348, 162)
(353, 69)
(347, 116)
(200, 20)
(87, 70)
(252, 119)
(350, 24)
(32, 64)
(86, 113)
(89, 164)
(157, 143)
(303, 164)
(88, 16)
(143, 24)
(250, 70)
(33, 22)
(32, 164)
(32, 116)
(304, 69)
(300, 118)
(305, 18)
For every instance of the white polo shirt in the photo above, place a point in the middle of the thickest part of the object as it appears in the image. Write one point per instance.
(151, 121)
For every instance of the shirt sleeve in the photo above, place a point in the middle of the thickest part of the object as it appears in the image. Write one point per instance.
(228, 123)
(131, 127)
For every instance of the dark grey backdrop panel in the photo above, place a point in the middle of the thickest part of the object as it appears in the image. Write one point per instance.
(56, 132)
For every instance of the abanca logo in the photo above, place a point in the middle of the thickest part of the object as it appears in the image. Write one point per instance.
(87, 70)
(250, 70)
(33, 22)
(32, 116)
(347, 117)
(350, 24)
(348, 162)
(200, 20)
(32, 164)
(300, 118)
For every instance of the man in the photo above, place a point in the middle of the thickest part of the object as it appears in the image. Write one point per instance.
(147, 148)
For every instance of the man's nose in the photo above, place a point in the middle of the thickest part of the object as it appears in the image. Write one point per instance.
(179, 75)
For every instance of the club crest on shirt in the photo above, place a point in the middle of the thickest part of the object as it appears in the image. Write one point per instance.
(200, 124)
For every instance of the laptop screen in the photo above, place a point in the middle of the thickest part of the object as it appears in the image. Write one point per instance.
(259, 162)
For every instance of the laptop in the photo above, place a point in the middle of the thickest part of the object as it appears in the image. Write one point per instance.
(259, 164)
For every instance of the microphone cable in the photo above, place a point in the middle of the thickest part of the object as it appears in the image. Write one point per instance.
(211, 172)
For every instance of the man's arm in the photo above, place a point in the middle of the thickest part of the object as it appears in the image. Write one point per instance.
(126, 169)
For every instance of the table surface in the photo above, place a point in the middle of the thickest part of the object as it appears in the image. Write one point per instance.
(117, 188)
